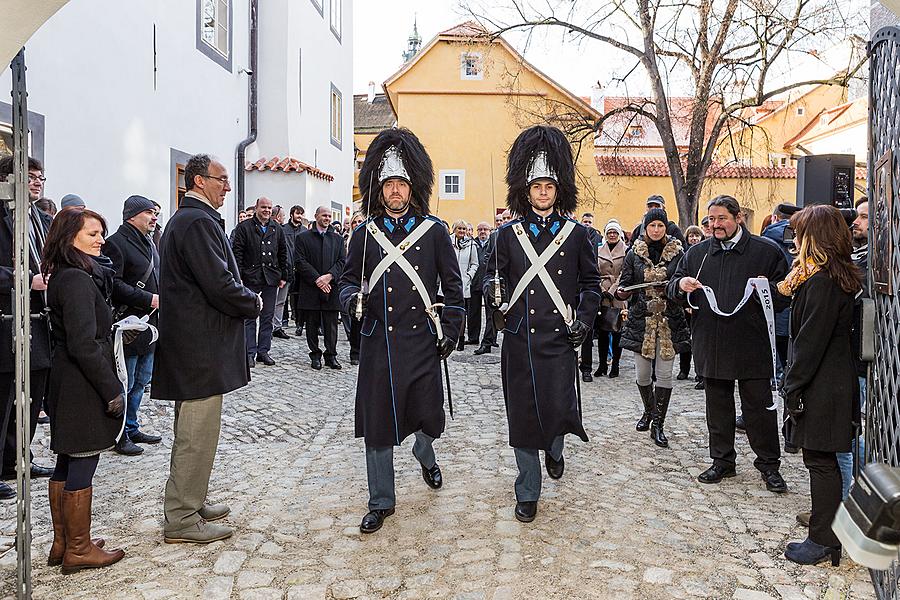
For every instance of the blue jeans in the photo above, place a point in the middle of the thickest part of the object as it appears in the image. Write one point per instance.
(140, 371)
(846, 460)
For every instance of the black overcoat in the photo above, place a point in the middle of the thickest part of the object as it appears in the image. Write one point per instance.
(131, 253)
(399, 389)
(731, 347)
(538, 364)
(202, 307)
(261, 256)
(822, 371)
(314, 255)
(634, 329)
(83, 375)
(40, 331)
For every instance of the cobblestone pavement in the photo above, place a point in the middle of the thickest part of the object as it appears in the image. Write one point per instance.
(628, 520)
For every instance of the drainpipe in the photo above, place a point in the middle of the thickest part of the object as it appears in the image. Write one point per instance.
(253, 104)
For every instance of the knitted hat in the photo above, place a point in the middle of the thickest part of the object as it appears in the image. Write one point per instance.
(135, 205)
(71, 200)
(656, 214)
(614, 224)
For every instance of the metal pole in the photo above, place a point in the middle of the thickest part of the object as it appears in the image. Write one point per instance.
(22, 328)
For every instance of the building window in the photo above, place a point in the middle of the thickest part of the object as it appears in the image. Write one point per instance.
(320, 6)
(336, 11)
(800, 111)
(471, 66)
(778, 160)
(336, 116)
(452, 184)
(214, 30)
(635, 131)
(180, 189)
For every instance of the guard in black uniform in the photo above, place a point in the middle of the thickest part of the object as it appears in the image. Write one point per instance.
(395, 260)
(548, 291)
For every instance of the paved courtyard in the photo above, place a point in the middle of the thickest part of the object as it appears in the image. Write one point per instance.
(628, 520)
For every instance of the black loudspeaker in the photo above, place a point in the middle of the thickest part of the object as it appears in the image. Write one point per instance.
(826, 179)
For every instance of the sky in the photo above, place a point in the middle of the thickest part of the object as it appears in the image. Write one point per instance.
(381, 29)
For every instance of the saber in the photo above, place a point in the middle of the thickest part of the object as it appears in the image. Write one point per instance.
(641, 286)
(498, 297)
(358, 312)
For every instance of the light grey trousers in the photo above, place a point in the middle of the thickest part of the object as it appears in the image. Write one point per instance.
(644, 369)
(380, 470)
(197, 425)
(528, 483)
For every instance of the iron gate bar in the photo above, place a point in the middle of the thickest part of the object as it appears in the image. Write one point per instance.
(883, 412)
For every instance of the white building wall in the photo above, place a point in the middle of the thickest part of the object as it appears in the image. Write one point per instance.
(300, 58)
(853, 140)
(108, 131)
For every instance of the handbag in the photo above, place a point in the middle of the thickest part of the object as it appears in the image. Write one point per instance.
(610, 318)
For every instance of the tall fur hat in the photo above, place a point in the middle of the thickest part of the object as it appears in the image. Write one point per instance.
(396, 153)
(541, 150)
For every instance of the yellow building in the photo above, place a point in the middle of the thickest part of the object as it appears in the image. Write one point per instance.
(467, 96)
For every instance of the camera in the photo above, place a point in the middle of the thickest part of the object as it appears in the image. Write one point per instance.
(868, 521)
(788, 236)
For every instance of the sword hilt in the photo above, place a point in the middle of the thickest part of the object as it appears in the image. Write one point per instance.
(358, 311)
(498, 296)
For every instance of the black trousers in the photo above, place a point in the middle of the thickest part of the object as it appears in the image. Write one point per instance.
(586, 364)
(8, 413)
(684, 362)
(825, 492)
(329, 322)
(473, 318)
(490, 332)
(761, 423)
(603, 341)
(461, 338)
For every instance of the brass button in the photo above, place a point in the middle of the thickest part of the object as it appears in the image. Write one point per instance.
(555, 311)
(559, 272)
(532, 311)
(416, 267)
(530, 291)
(532, 330)
(414, 288)
(413, 308)
(557, 329)
(562, 253)
(414, 326)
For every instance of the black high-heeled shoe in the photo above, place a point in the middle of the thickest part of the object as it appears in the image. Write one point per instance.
(808, 552)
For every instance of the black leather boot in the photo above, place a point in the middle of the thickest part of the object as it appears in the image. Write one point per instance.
(646, 391)
(663, 395)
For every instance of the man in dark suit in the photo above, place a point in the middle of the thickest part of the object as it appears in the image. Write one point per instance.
(136, 292)
(262, 256)
(38, 225)
(200, 353)
(319, 259)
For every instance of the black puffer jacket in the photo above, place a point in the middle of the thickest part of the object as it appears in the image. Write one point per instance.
(640, 305)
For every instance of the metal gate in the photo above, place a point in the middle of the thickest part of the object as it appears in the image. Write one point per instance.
(883, 410)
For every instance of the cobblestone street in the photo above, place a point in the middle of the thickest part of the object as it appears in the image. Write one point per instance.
(628, 520)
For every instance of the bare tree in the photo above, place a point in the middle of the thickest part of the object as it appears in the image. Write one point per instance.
(730, 55)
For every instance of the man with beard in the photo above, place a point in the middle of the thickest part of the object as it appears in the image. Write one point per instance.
(733, 348)
(391, 280)
(550, 291)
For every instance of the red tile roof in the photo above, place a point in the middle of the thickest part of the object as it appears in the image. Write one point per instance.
(288, 164)
(615, 131)
(656, 166)
(469, 29)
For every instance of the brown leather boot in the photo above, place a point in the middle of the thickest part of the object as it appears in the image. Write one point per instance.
(58, 548)
(80, 552)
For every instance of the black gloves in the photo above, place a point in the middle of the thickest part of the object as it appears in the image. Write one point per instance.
(493, 286)
(115, 408)
(445, 346)
(793, 404)
(578, 332)
(358, 303)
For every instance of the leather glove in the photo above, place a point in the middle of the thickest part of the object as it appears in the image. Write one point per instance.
(578, 332)
(358, 303)
(445, 346)
(116, 407)
(794, 405)
(493, 294)
(129, 336)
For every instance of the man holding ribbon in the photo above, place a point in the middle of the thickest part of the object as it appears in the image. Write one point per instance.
(390, 282)
(726, 279)
(544, 285)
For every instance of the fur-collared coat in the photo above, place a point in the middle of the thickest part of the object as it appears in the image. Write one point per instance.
(652, 318)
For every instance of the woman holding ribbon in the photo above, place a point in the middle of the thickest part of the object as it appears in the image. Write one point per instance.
(85, 401)
(656, 328)
(821, 388)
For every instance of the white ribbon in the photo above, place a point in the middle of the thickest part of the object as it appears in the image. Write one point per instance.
(761, 286)
(129, 323)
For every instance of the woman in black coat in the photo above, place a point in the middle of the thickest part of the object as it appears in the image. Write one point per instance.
(85, 401)
(821, 387)
(656, 329)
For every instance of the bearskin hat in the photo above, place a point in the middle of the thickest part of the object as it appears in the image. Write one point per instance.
(543, 151)
(396, 153)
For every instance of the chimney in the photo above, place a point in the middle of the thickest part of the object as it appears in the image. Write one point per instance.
(371, 92)
(598, 98)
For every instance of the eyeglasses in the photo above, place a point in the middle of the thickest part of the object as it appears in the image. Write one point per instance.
(223, 179)
(33, 178)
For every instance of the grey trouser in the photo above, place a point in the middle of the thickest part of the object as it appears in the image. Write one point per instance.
(644, 369)
(528, 483)
(197, 424)
(280, 298)
(380, 470)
